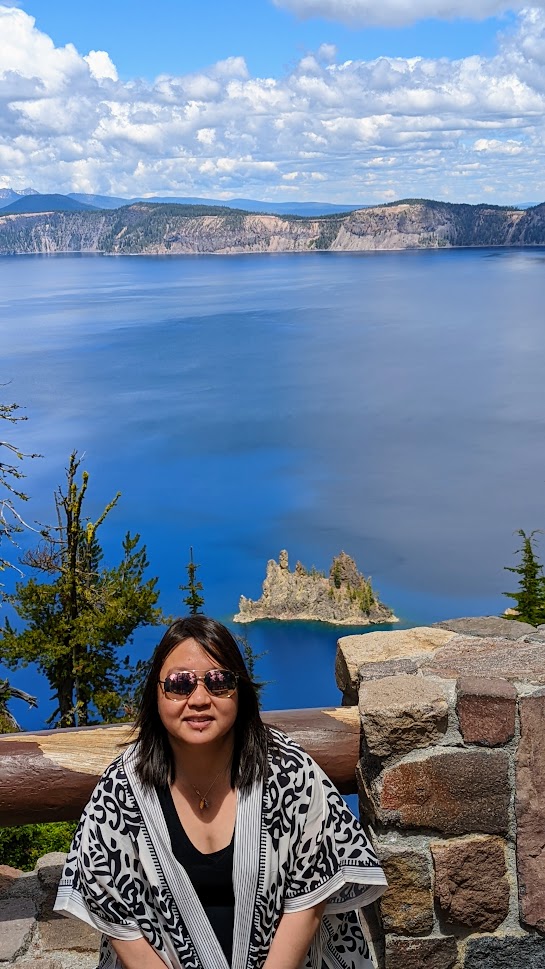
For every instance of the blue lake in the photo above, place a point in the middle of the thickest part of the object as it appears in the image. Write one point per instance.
(388, 404)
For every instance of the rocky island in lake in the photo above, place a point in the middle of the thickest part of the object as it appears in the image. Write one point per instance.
(344, 597)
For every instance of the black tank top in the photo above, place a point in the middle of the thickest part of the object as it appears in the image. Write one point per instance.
(211, 875)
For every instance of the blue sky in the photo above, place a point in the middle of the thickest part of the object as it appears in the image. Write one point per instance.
(339, 100)
(187, 35)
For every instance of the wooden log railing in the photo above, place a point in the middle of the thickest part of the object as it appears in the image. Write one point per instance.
(49, 775)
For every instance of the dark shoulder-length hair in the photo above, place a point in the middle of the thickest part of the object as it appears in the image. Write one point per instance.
(154, 759)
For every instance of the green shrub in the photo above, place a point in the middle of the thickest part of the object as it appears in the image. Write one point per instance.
(21, 846)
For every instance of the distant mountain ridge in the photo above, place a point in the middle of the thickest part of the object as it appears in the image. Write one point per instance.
(46, 203)
(156, 228)
(8, 196)
(310, 209)
(248, 205)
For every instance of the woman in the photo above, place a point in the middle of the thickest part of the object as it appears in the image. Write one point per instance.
(215, 841)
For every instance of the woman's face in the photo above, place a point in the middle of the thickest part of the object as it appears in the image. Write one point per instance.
(200, 718)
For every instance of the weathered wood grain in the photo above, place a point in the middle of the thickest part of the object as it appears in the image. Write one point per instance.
(49, 775)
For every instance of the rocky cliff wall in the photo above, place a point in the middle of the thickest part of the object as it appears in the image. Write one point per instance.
(176, 229)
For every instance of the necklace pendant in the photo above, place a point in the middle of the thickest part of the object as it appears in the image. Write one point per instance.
(203, 803)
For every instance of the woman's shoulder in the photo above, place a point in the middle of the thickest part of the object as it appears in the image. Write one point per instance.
(286, 754)
(114, 779)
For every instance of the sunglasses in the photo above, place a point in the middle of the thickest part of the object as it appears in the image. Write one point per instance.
(181, 684)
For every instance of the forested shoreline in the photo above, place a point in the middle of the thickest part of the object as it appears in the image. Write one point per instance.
(152, 228)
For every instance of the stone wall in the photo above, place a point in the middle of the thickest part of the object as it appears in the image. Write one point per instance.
(452, 776)
(32, 936)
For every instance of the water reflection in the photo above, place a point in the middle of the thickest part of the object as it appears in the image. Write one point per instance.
(388, 404)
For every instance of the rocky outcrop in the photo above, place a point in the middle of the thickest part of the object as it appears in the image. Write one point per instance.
(177, 229)
(344, 597)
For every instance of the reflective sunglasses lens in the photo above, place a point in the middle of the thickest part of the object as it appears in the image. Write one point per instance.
(179, 685)
(220, 682)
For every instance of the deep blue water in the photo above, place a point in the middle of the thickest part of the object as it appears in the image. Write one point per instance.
(388, 404)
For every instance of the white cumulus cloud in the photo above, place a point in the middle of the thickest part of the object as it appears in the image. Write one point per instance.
(398, 13)
(100, 65)
(509, 147)
(357, 131)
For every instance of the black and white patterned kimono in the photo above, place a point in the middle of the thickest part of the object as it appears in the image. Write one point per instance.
(296, 844)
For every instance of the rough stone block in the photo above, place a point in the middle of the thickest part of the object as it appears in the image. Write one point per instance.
(50, 866)
(401, 713)
(487, 626)
(354, 651)
(377, 671)
(475, 656)
(32, 961)
(505, 952)
(60, 933)
(530, 810)
(455, 791)
(17, 918)
(432, 953)
(8, 876)
(407, 907)
(26, 886)
(49, 870)
(471, 885)
(537, 637)
(486, 709)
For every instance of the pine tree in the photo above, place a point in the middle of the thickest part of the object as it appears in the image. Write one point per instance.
(530, 597)
(251, 659)
(78, 612)
(11, 525)
(8, 723)
(194, 600)
(11, 493)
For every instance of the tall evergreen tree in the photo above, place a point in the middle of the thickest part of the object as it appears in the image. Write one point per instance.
(193, 600)
(11, 525)
(78, 612)
(12, 495)
(530, 596)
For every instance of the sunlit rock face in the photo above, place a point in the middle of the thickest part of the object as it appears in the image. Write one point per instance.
(344, 597)
(161, 229)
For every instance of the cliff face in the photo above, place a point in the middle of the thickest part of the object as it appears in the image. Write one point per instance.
(345, 597)
(146, 228)
(428, 225)
(52, 232)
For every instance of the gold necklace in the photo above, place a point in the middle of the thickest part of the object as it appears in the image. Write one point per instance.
(203, 798)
